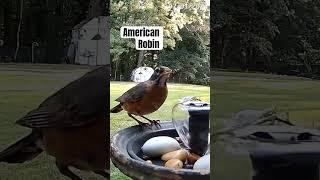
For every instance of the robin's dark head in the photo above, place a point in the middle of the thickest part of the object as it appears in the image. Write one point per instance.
(161, 74)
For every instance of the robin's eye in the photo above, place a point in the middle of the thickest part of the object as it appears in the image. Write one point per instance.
(157, 70)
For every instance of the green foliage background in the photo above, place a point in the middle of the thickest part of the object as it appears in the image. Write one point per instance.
(281, 36)
(186, 34)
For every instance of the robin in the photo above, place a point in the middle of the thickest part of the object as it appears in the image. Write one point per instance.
(70, 125)
(146, 97)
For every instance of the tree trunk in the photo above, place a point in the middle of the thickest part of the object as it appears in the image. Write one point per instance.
(116, 69)
(140, 58)
(250, 59)
(307, 65)
(18, 30)
(223, 53)
(2, 15)
(10, 28)
(97, 8)
(243, 60)
(55, 32)
(268, 64)
(306, 62)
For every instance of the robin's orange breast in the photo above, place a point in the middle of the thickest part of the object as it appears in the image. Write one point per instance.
(150, 102)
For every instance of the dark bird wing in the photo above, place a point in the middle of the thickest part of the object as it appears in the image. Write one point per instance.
(74, 105)
(23, 150)
(135, 94)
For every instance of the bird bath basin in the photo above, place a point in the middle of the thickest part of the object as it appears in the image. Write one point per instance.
(127, 156)
(279, 152)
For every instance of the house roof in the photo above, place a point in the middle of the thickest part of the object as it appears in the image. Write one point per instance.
(84, 22)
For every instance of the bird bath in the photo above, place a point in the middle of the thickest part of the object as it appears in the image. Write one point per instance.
(127, 156)
(279, 152)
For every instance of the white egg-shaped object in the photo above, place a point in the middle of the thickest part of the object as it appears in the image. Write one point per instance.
(203, 163)
(160, 145)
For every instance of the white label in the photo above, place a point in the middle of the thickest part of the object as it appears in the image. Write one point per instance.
(146, 37)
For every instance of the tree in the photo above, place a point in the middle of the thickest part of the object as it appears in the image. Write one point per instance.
(97, 8)
(173, 15)
(261, 34)
(19, 29)
(191, 63)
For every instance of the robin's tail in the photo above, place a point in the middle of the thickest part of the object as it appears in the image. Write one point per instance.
(25, 149)
(116, 109)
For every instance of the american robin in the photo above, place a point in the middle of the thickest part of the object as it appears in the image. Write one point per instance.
(70, 125)
(145, 97)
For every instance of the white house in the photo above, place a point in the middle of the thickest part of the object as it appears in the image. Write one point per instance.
(90, 40)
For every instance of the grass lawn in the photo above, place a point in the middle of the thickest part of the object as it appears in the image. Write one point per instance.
(23, 87)
(121, 120)
(237, 91)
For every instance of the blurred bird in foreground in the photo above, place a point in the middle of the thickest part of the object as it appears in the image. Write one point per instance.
(146, 97)
(70, 125)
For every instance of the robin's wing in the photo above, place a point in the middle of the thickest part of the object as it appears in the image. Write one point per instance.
(76, 104)
(136, 93)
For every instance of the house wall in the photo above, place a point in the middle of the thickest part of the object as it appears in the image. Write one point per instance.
(92, 52)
